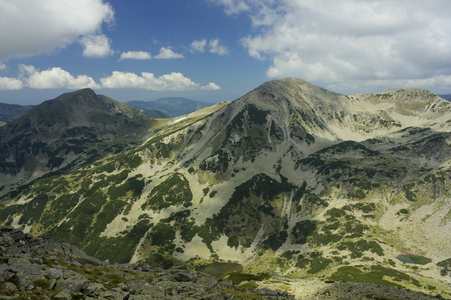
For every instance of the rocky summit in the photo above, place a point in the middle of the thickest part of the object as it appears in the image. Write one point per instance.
(298, 188)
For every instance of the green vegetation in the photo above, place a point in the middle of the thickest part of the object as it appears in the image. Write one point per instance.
(314, 262)
(162, 235)
(237, 277)
(251, 203)
(131, 188)
(360, 246)
(302, 230)
(174, 190)
(118, 249)
(445, 266)
(374, 274)
(275, 240)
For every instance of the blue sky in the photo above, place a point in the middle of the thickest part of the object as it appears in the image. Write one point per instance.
(215, 50)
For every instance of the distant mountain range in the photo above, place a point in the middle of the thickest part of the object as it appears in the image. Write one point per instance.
(170, 106)
(10, 112)
(161, 108)
(299, 187)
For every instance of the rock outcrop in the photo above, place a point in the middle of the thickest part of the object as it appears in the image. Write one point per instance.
(38, 268)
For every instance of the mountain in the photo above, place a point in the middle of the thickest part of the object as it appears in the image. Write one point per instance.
(154, 113)
(446, 97)
(314, 187)
(61, 134)
(170, 106)
(10, 112)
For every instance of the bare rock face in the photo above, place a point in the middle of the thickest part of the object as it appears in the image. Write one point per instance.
(38, 268)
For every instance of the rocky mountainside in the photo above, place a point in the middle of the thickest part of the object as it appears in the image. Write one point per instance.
(38, 268)
(64, 133)
(316, 187)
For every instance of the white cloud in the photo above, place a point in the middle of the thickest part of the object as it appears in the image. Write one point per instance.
(135, 55)
(211, 86)
(167, 53)
(30, 27)
(233, 6)
(215, 47)
(174, 82)
(54, 78)
(198, 46)
(2, 67)
(96, 46)
(355, 41)
(8, 83)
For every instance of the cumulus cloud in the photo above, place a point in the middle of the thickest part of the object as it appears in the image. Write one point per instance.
(213, 45)
(210, 86)
(233, 6)
(135, 55)
(168, 82)
(8, 83)
(355, 41)
(96, 46)
(198, 46)
(54, 78)
(167, 53)
(29, 27)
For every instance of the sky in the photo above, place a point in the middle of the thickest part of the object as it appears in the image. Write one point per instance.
(217, 50)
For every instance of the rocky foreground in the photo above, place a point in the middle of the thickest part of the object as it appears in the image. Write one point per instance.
(38, 268)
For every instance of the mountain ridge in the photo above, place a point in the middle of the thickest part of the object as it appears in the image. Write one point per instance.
(290, 178)
(170, 106)
(64, 130)
(10, 112)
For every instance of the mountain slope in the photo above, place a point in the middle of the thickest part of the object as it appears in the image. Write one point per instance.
(290, 178)
(170, 106)
(10, 112)
(66, 132)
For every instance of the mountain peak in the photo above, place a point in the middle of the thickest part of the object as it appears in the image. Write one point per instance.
(67, 132)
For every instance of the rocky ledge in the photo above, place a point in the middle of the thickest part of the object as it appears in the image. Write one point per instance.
(38, 268)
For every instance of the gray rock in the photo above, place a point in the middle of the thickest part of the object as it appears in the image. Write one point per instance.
(37, 261)
(53, 273)
(88, 260)
(183, 276)
(72, 282)
(63, 295)
(9, 286)
(136, 287)
(213, 296)
(37, 266)
(207, 281)
(93, 289)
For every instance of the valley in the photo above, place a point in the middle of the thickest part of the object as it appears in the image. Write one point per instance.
(322, 191)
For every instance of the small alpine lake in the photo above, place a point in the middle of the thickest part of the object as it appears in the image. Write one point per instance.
(413, 259)
(218, 269)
